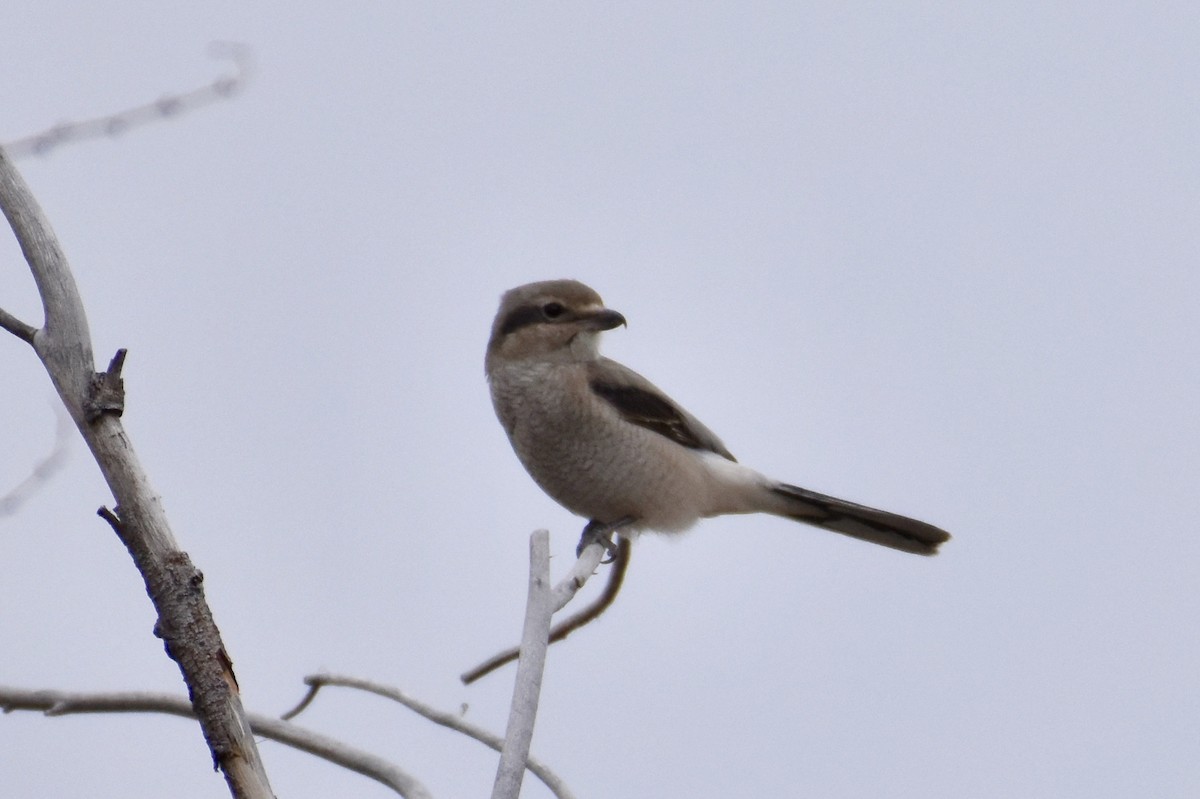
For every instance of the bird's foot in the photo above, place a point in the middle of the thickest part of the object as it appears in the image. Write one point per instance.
(598, 532)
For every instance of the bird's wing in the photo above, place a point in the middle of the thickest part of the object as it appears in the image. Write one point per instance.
(640, 402)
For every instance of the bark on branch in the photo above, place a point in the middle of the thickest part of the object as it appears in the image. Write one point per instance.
(63, 343)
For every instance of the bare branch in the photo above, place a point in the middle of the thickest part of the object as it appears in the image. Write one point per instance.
(527, 688)
(315, 683)
(45, 469)
(585, 566)
(64, 343)
(588, 560)
(221, 88)
(174, 585)
(15, 326)
(113, 522)
(616, 578)
(449, 720)
(63, 703)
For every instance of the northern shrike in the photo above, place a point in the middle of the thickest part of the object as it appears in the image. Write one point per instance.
(608, 445)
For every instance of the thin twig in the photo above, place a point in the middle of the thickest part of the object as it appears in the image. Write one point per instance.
(111, 125)
(43, 470)
(527, 688)
(451, 721)
(113, 520)
(616, 577)
(315, 683)
(63, 703)
(15, 326)
(585, 566)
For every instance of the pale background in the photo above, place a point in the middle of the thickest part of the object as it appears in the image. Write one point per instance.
(940, 258)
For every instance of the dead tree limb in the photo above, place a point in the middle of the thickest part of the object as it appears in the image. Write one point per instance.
(167, 106)
(64, 703)
(563, 592)
(527, 687)
(451, 721)
(95, 403)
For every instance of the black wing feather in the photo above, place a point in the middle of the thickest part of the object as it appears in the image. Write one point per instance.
(653, 412)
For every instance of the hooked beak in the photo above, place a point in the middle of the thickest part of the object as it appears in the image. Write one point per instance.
(602, 319)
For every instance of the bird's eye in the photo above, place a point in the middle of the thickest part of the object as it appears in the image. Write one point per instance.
(552, 310)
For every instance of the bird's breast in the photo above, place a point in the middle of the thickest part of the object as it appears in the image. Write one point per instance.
(591, 461)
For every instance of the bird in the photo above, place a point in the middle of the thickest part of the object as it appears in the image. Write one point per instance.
(610, 446)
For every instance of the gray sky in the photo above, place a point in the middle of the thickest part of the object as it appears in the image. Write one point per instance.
(938, 258)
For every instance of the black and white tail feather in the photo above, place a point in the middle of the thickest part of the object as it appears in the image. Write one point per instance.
(859, 521)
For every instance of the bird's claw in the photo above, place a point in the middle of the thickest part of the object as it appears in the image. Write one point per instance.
(597, 532)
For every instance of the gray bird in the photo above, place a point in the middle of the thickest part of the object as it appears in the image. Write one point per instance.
(608, 445)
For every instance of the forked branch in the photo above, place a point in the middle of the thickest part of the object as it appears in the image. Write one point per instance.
(452, 721)
(573, 582)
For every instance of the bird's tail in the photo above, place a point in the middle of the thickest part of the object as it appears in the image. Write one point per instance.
(857, 521)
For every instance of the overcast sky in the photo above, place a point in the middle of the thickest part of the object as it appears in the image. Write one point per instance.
(939, 258)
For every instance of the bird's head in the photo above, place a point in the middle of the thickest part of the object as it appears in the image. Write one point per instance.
(551, 320)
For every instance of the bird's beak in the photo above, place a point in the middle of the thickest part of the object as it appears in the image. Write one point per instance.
(602, 319)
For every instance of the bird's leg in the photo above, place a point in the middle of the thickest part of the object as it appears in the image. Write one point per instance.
(598, 532)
